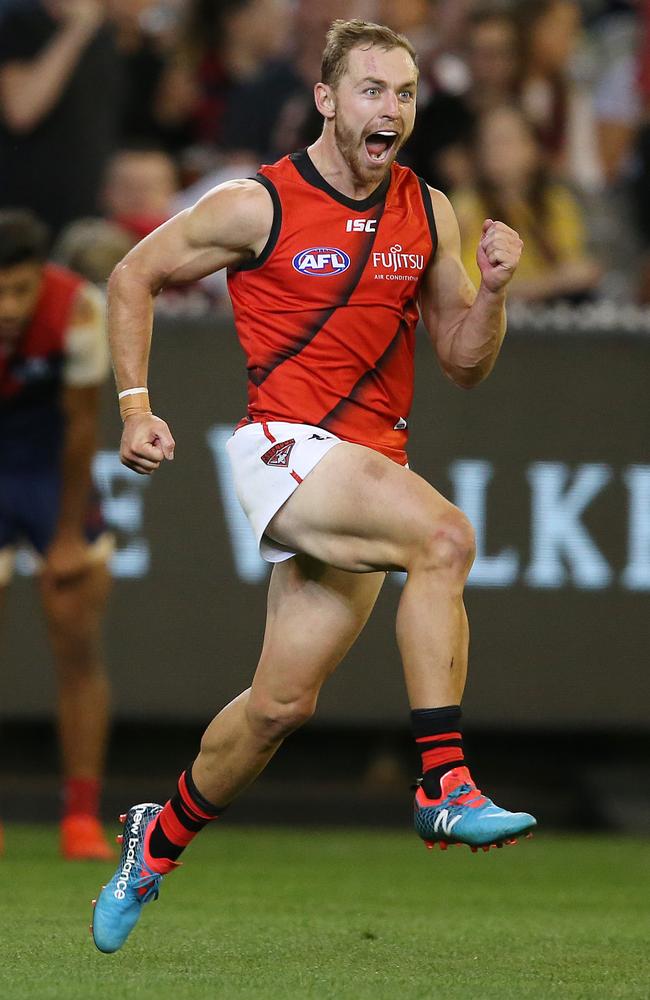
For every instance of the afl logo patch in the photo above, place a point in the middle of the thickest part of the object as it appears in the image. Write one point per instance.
(321, 262)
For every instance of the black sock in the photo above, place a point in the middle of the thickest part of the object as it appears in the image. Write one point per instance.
(439, 740)
(184, 815)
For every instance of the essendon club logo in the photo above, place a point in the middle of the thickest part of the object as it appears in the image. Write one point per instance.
(278, 455)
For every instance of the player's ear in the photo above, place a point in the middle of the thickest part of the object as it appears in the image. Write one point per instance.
(325, 101)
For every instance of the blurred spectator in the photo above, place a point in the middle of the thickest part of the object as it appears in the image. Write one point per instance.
(274, 113)
(413, 18)
(438, 147)
(642, 183)
(225, 45)
(60, 97)
(53, 361)
(230, 169)
(145, 34)
(139, 189)
(555, 102)
(512, 186)
(137, 196)
(92, 248)
(617, 117)
(438, 30)
(617, 101)
(452, 17)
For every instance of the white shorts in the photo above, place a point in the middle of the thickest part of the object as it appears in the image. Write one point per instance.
(269, 461)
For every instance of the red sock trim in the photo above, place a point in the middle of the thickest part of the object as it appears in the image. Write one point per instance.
(440, 756)
(188, 802)
(439, 738)
(173, 830)
(81, 797)
(161, 865)
(177, 823)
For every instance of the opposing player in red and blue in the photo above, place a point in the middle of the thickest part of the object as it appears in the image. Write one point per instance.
(333, 254)
(53, 359)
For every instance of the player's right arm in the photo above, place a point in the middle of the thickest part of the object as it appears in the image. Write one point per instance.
(228, 225)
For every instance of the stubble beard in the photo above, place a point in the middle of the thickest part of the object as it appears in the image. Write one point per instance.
(348, 144)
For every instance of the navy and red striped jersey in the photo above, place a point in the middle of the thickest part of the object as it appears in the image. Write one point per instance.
(31, 378)
(326, 314)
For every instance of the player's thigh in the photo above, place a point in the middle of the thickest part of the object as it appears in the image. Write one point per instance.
(74, 609)
(360, 511)
(315, 612)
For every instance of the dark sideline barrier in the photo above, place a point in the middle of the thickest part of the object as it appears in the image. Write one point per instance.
(549, 458)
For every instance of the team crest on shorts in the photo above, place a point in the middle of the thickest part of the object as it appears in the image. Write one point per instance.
(278, 455)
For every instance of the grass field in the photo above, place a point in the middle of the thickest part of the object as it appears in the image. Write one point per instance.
(344, 915)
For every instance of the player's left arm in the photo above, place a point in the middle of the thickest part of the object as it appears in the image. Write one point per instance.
(467, 326)
(86, 366)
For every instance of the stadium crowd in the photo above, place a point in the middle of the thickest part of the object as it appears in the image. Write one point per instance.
(117, 113)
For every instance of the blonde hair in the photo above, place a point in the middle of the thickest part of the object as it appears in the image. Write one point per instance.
(346, 35)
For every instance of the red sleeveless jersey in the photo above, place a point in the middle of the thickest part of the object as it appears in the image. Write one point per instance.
(326, 314)
(31, 378)
(42, 345)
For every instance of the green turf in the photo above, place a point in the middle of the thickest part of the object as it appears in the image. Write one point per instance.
(347, 915)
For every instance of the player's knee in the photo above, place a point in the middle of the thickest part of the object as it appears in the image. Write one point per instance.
(273, 720)
(448, 545)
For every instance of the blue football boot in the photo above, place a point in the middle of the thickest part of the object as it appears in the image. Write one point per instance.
(119, 904)
(463, 815)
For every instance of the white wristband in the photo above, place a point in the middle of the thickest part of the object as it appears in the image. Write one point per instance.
(131, 392)
(132, 401)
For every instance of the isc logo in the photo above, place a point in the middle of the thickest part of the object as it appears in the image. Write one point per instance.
(321, 262)
(361, 226)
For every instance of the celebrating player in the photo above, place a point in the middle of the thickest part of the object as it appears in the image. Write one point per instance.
(330, 253)
(53, 358)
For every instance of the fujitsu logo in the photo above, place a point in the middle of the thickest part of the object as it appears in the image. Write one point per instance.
(129, 859)
(395, 260)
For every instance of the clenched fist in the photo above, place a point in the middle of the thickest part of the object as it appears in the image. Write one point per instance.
(146, 441)
(498, 254)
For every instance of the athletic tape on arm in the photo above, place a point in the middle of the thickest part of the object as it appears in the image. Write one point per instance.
(133, 401)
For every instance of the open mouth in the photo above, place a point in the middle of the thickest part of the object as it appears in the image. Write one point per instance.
(379, 144)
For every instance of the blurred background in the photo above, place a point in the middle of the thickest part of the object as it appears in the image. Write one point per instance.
(535, 113)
